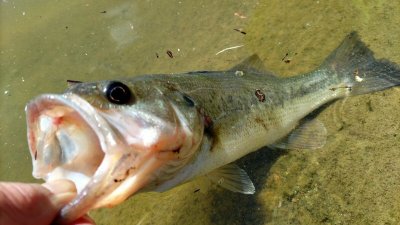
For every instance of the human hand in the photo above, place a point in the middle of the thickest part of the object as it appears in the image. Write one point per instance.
(35, 204)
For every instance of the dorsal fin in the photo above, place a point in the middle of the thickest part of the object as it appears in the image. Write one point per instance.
(252, 64)
(71, 83)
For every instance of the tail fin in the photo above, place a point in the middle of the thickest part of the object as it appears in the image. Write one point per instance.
(355, 63)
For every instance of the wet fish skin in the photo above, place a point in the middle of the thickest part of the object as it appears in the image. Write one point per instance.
(242, 123)
(225, 114)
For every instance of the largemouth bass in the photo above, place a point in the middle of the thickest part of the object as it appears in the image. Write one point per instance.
(154, 132)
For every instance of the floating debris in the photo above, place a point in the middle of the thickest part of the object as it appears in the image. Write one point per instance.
(240, 31)
(169, 53)
(241, 16)
(230, 48)
(286, 59)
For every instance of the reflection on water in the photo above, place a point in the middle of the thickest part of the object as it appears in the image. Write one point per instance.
(122, 30)
(353, 179)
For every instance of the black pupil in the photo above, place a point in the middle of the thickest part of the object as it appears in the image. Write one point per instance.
(118, 93)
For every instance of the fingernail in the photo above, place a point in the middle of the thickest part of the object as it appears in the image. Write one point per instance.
(60, 186)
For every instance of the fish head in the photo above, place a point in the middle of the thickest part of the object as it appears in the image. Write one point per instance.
(112, 139)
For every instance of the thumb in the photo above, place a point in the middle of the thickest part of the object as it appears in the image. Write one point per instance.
(33, 203)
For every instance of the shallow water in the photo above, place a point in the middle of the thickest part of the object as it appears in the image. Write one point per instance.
(354, 179)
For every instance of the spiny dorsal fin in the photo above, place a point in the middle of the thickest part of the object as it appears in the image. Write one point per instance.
(233, 178)
(71, 83)
(252, 64)
(311, 134)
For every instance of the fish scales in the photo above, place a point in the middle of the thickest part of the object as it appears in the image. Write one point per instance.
(242, 123)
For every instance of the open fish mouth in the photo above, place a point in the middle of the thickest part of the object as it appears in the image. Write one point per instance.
(64, 131)
(71, 139)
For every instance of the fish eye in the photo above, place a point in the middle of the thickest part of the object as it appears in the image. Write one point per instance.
(118, 93)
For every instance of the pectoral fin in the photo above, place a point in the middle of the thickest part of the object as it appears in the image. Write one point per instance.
(311, 134)
(233, 178)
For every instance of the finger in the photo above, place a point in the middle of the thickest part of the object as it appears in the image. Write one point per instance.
(29, 203)
(60, 187)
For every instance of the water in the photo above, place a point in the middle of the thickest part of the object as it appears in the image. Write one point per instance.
(354, 179)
